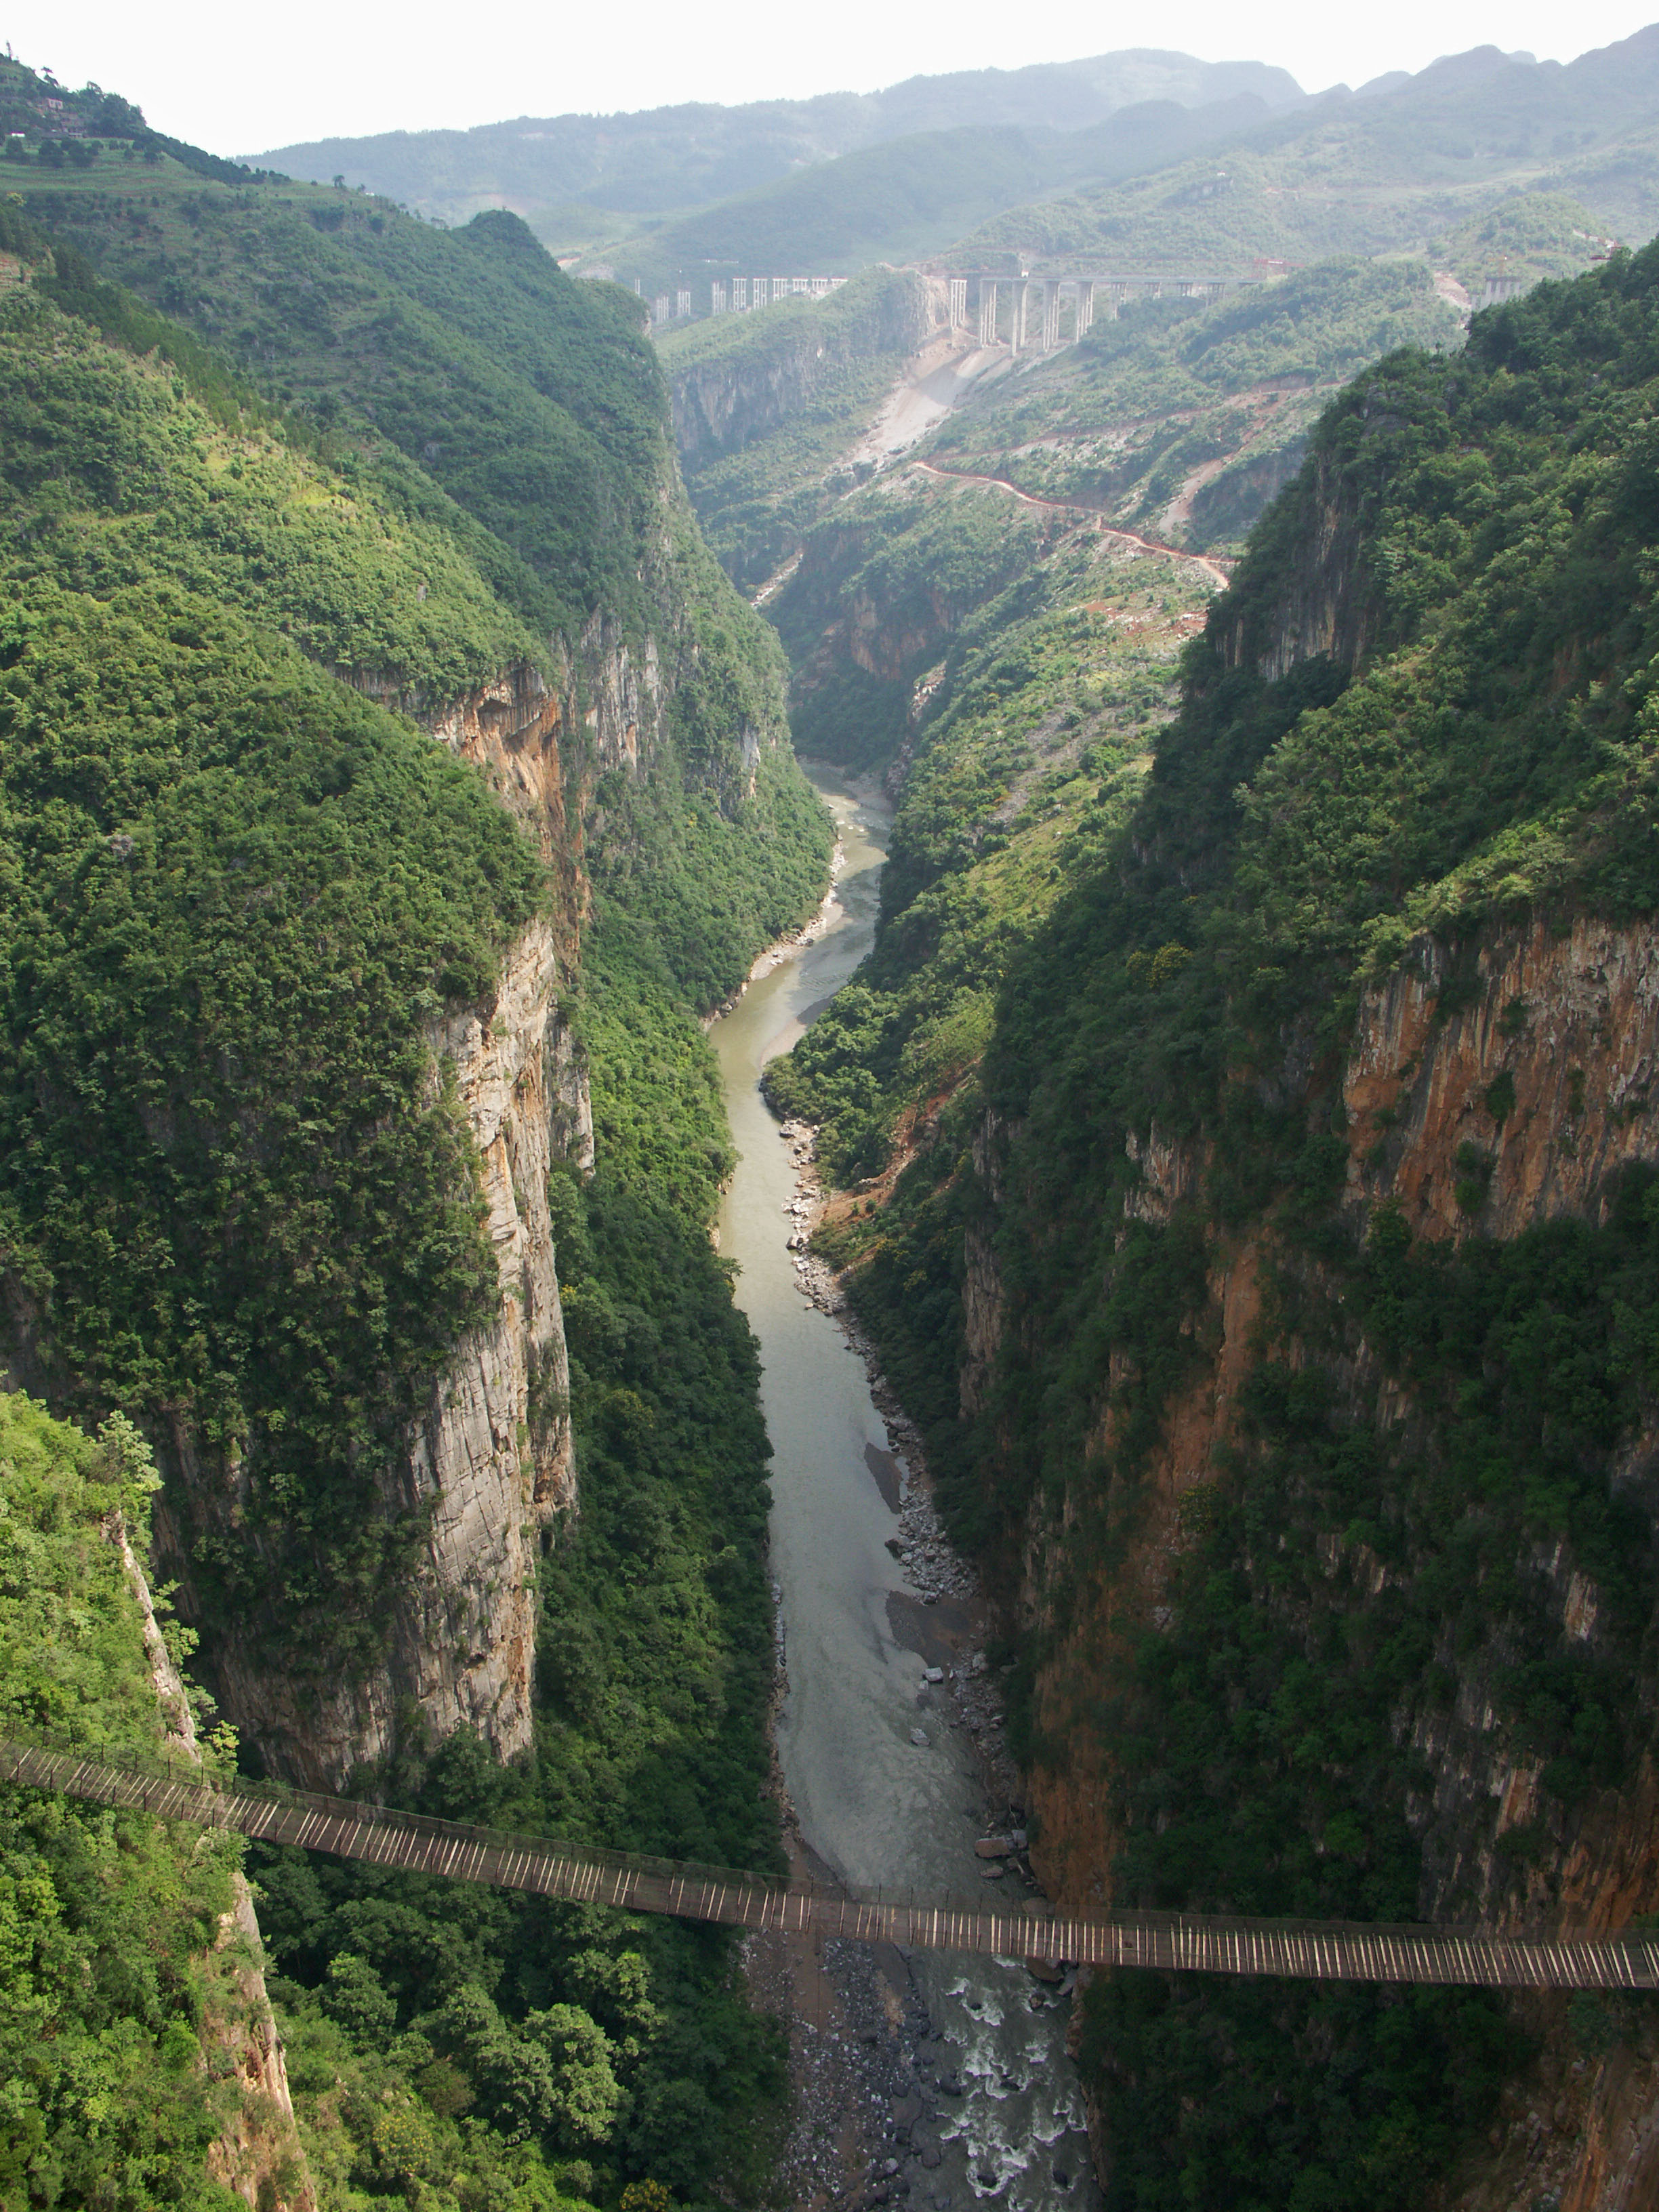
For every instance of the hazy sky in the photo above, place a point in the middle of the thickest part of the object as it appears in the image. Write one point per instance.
(239, 79)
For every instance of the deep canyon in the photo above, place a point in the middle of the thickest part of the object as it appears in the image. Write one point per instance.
(1119, 1354)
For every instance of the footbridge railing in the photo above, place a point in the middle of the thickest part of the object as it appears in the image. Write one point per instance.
(1031, 1930)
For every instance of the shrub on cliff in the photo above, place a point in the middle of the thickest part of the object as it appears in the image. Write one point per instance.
(104, 1915)
(1425, 705)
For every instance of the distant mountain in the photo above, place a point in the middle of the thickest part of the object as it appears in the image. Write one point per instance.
(1498, 142)
(665, 159)
(905, 200)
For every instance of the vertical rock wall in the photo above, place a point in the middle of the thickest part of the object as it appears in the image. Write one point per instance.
(488, 1466)
(1538, 1057)
(256, 2153)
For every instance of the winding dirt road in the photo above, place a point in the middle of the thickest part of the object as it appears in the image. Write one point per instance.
(1213, 569)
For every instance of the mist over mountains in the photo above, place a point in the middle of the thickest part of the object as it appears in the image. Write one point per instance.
(691, 155)
(1141, 158)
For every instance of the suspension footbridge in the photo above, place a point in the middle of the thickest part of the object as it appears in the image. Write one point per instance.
(1031, 1930)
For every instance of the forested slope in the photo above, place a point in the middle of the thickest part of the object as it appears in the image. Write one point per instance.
(669, 160)
(1175, 422)
(134, 2035)
(767, 407)
(1400, 169)
(1279, 1291)
(390, 777)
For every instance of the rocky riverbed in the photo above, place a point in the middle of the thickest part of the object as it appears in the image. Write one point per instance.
(930, 2080)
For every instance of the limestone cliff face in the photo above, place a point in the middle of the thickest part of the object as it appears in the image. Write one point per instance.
(1534, 1064)
(487, 1467)
(845, 611)
(1325, 603)
(1545, 1070)
(489, 1464)
(982, 1282)
(257, 2152)
(1567, 1021)
(719, 406)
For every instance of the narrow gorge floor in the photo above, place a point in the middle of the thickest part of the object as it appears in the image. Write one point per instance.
(929, 2078)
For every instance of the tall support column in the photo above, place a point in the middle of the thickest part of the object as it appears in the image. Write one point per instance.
(1050, 316)
(1017, 317)
(988, 312)
(1086, 309)
(681, 304)
(717, 298)
(958, 303)
(739, 294)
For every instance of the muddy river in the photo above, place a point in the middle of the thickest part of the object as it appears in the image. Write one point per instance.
(885, 1790)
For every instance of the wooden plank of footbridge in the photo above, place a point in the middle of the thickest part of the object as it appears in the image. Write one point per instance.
(1172, 1942)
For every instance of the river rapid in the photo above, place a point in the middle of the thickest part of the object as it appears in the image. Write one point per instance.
(885, 1790)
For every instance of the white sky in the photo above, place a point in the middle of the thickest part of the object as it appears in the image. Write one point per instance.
(239, 79)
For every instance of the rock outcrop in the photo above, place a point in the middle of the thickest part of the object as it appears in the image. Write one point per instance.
(257, 2152)
(1326, 603)
(1540, 1061)
(723, 405)
(1484, 1099)
(488, 1466)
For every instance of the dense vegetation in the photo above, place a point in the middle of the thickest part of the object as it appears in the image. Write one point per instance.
(1475, 751)
(232, 887)
(768, 405)
(241, 1202)
(544, 2050)
(1184, 419)
(534, 402)
(1272, 1743)
(1029, 757)
(888, 575)
(106, 1917)
(1177, 419)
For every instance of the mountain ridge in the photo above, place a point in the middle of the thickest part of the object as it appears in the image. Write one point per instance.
(764, 140)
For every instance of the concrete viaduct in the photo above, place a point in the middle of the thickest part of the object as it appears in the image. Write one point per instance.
(1028, 314)
(1036, 315)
